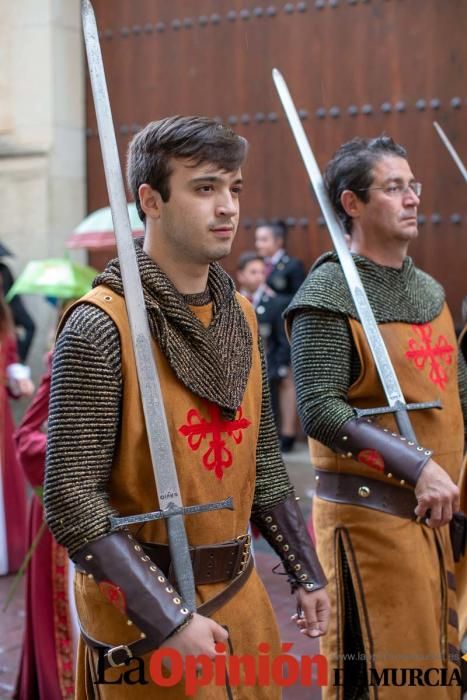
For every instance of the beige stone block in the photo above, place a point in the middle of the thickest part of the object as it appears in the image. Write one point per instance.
(68, 153)
(24, 205)
(68, 78)
(30, 13)
(6, 112)
(67, 13)
(68, 159)
(32, 89)
(24, 228)
(67, 197)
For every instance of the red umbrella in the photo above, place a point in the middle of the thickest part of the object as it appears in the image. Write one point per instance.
(96, 231)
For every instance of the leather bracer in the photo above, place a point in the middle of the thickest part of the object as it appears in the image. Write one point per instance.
(139, 588)
(285, 529)
(378, 448)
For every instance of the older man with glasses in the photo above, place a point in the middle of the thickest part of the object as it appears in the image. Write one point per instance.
(383, 504)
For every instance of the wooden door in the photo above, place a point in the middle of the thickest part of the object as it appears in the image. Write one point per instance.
(354, 67)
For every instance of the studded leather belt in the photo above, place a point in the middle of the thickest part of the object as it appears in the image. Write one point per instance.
(351, 489)
(213, 563)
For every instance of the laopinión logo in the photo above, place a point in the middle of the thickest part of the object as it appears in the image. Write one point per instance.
(168, 668)
(247, 670)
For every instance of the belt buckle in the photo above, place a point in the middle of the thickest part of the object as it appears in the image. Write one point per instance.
(113, 650)
(246, 541)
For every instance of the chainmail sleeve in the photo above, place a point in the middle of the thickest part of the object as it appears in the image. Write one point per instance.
(83, 423)
(325, 364)
(272, 481)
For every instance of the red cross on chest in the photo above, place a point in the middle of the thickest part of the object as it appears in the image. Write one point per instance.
(218, 456)
(422, 351)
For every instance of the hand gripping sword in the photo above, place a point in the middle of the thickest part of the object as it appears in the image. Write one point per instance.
(387, 374)
(163, 463)
(451, 149)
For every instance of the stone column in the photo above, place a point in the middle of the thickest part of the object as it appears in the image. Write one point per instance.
(42, 136)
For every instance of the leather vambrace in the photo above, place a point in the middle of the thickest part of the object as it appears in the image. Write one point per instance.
(284, 527)
(386, 452)
(119, 566)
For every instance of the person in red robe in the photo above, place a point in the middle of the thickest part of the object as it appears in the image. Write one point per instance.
(46, 669)
(14, 382)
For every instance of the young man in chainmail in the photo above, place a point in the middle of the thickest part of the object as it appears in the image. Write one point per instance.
(391, 573)
(185, 175)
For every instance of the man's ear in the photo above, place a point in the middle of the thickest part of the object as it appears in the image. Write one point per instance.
(350, 203)
(150, 201)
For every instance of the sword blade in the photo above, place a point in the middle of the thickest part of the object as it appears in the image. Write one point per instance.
(151, 394)
(387, 375)
(451, 149)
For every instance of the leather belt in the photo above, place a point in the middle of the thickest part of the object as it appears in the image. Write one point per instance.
(351, 489)
(211, 564)
(235, 564)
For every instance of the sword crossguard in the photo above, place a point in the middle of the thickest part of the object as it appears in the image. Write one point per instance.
(398, 407)
(118, 522)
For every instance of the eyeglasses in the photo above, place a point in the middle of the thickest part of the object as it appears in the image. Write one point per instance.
(397, 190)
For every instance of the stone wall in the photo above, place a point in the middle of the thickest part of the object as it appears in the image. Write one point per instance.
(42, 137)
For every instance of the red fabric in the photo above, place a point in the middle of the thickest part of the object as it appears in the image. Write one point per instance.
(38, 674)
(30, 441)
(114, 595)
(372, 459)
(13, 481)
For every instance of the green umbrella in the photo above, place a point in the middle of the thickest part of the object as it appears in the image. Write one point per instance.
(59, 278)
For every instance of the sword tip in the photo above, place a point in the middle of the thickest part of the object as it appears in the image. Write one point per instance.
(86, 7)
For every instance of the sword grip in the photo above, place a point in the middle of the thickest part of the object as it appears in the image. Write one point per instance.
(404, 425)
(180, 554)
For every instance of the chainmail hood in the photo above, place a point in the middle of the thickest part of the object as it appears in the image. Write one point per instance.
(214, 362)
(407, 295)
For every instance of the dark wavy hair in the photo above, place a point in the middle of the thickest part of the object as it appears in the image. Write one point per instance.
(195, 139)
(351, 168)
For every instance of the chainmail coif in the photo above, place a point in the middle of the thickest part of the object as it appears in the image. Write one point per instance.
(406, 295)
(213, 362)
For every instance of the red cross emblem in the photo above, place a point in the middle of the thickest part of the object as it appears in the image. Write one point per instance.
(422, 351)
(114, 594)
(218, 457)
(372, 459)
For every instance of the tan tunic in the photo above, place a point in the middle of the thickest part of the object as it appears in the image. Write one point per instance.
(215, 459)
(402, 572)
(461, 566)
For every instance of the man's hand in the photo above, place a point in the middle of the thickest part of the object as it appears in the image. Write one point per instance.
(26, 387)
(435, 491)
(198, 637)
(315, 607)
(21, 387)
